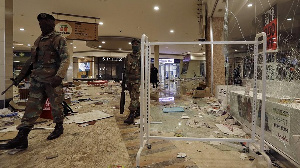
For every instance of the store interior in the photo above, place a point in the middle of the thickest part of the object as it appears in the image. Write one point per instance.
(235, 89)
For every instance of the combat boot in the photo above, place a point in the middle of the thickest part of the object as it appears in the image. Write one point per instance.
(130, 118)
(58, 130)
(19, 142)
(137, 113)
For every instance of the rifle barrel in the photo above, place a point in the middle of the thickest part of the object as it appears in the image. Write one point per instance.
(7, 89)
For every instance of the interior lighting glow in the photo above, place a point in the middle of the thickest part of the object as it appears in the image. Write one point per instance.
(75, 47)
(16, 61)
(100, 23)
(28, 45)
(289, 19)
(171, 31)
(235, 50)
(103, 42)
(99, 46)
(129, 43)
(249, 5)
(156, 8)
(22, 29)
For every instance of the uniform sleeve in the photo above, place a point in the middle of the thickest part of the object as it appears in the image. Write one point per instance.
(64, 56)
(126, 64)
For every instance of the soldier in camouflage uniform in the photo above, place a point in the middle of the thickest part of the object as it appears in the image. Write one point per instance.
(133, 80)
(49, 63)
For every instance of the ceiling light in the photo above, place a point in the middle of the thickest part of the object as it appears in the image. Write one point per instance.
(200, 44)
(156, 8)
(171, 31)
(99, 46)
(289, 19)
(18, 44)
(129, 43)
(100, 23)
(120, 48)
(235, 50)
(22, 29)
(249, 5)
(28, 45)
(75, 47)
(103, 42)
(71, 43)
(13, 47)
(16, 61)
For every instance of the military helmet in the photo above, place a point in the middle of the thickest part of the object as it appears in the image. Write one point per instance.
(45, 16)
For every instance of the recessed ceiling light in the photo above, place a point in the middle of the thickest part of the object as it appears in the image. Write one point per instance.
(28, 45)
(235, 50)
(13, 47)
(100, 23)
(249, 5)
(120, 48)
(200, 44)
(129, 43)
(171, 31)
(22, 29)
(16, 61)
(103, 42)
(75, 47)
(99, 46)
(289, 19)
(156, 8)
(71, 43)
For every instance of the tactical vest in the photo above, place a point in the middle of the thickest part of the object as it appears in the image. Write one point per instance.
(45, 58)
(133, 66)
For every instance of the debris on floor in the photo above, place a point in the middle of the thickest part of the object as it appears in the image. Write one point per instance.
(173, 109)
(86, 117)
(181, 155)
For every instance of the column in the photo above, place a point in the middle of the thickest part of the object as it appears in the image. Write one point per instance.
(215, 76)
(69, 76)
(6, 51)
(156, 56)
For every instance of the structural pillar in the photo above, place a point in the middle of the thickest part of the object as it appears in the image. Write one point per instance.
(156, 56)
(69, 76)
(215, 59)
(6, 50)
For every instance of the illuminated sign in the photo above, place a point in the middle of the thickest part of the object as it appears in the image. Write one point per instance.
(270, 27)
(169, 61)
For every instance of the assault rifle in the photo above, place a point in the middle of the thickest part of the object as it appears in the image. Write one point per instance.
(26, 71)
(122, 100)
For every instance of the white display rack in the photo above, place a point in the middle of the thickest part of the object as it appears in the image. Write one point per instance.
(145, 95)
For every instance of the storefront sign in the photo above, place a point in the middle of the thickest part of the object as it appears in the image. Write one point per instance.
(77, 30)
(171, 61)
(281, 125)
(270, 27)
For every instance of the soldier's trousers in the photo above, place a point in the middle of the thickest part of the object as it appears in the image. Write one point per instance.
(38, 94)
(134, 92)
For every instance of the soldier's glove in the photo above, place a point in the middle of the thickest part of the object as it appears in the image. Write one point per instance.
(15, 81)
(56, 81)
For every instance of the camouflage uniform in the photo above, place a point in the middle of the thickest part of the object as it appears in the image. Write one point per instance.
(133, 79)
(49, 57)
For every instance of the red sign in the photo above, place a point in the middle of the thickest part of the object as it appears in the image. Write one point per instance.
(47, 111)
(271, 31)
